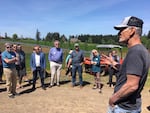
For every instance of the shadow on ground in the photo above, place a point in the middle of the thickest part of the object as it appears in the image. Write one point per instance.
(148, 107)
(2, 89)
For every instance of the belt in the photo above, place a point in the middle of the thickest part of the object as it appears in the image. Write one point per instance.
(57, 62)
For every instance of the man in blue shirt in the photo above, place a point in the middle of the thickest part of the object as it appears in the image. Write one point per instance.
(8, 59)
(55, 58)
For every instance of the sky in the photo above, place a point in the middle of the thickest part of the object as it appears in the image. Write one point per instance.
(69, 17)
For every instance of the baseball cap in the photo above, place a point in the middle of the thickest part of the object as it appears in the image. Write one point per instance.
(76, 44)
(130, 21)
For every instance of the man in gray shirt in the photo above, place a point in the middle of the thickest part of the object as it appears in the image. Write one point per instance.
(132, 74)
(77, 58)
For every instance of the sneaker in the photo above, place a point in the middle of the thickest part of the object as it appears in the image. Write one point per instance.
(11, 96)
(72, 85)
(58, 85)
(95, 87)
(16, 94)
(44, 88)
(33, 88)
(100, 91)
(50, 86)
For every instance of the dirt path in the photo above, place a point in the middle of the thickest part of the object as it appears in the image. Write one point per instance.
(64, 99)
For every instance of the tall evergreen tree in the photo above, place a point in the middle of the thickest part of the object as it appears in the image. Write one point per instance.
(38, 35)
(6, 35)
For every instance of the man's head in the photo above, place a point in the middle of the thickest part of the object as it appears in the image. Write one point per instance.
(76, 45)
(129, 27)
(114, 52)
(36, 49)
(19, 47)
(8, 47)
(15, 47)
(56, 43)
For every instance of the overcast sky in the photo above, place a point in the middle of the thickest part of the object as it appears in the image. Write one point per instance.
(69, 17)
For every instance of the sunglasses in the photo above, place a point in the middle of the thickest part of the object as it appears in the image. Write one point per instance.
(8, 47)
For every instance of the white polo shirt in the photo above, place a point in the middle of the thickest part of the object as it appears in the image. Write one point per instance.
(37, 60)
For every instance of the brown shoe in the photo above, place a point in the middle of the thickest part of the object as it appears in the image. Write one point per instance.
(95, 87)
(100, 91)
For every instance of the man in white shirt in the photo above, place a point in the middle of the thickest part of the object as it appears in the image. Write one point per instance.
(38, 64)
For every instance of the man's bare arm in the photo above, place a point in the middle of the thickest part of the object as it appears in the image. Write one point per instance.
(10, 60)
(128, 88)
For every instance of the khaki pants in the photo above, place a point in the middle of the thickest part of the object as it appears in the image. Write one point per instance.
(55, 69)
(11, 80)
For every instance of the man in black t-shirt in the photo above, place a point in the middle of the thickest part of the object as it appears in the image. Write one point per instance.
(132, 74)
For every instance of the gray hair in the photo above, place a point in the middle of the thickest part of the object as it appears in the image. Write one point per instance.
(8, 44)
(138, 31)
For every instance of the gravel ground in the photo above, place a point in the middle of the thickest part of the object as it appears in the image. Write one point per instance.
(63, 99)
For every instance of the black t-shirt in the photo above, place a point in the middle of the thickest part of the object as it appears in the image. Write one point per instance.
(136, 63)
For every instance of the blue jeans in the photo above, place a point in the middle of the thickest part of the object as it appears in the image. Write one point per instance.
(118, 109)
(76, 68)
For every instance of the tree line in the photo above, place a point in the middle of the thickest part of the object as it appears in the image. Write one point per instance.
(83, 38)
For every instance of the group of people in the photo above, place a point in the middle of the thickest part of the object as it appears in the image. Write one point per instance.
(13, 65)
(13, 60)
(131, 75)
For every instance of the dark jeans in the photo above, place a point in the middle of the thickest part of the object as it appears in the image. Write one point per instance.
(76, 68)
(18, 73)
(111, 72)
(41, 74)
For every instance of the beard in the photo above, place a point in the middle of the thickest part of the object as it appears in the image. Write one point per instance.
(122, 41)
